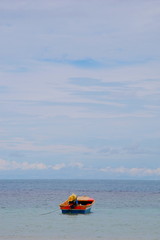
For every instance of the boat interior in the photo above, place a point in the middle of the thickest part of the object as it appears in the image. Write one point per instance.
(81, 202)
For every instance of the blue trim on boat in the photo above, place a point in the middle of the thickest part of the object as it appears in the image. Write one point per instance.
(76, 211)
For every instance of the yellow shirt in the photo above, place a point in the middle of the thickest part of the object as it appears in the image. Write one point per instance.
(72, 197)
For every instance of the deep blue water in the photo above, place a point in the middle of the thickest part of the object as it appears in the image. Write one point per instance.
(128, 210)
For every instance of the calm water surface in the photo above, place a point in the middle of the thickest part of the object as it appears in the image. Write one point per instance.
(128, 210)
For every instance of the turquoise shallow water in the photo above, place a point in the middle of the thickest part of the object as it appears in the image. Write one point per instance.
(128, 210)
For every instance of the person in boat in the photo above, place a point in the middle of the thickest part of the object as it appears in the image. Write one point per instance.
(72, 200)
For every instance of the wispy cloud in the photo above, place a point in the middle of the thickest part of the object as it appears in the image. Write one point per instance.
(132, 171)
(123, 171)
(110, 32)
(15, 165)
(80, 63)
(20, 144)
(79, 80)
(58, 166)
(134, 149)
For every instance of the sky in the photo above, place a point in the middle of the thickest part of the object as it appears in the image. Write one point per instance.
(80, 89)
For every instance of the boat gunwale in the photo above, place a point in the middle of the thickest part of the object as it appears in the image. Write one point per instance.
(65, 205)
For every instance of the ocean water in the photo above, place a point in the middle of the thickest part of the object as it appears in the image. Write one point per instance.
(124, 210)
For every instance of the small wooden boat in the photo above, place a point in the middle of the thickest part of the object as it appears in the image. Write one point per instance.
(83, 205)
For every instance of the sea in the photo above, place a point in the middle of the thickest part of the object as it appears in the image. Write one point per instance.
(124, 210)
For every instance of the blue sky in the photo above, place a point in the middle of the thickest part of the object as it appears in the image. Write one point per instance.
(80, 89)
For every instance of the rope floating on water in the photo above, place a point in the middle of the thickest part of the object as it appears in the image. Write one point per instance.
(49, 212)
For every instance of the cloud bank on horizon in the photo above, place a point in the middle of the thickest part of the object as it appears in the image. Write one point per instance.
(80, 89)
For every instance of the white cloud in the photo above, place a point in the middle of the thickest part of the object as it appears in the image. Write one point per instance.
(139, 172)
(12, 165)
(132, 171)
(3, 164)
(58, 166)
